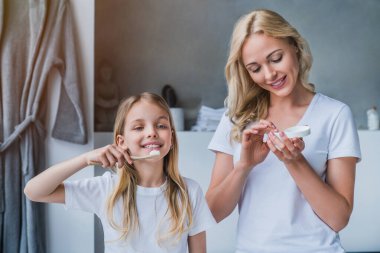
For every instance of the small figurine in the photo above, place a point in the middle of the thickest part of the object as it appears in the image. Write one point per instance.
(106, 99)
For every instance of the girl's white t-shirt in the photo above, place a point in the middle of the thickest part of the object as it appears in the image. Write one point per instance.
(91, 195)
(274, 216)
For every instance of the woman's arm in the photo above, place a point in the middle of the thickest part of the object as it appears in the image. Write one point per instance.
(48, 185)
(197, 243)
(225, 187)
(228, 179)
(332, 200)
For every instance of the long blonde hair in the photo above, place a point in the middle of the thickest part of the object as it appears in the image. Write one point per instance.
(176, 193)
(246, 100)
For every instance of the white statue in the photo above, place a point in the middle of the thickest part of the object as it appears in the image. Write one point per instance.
(373, 119)
(106, 99)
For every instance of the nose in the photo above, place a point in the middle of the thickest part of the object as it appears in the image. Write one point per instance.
(151, 132)
(269, 73)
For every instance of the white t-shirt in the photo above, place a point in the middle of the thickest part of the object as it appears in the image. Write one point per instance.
(273, 213)
(91, 195)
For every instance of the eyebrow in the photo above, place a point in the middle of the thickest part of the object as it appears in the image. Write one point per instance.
(268, 56)
(159, 118)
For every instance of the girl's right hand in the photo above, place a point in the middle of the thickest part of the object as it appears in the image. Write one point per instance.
(108, 156)
(253, 148)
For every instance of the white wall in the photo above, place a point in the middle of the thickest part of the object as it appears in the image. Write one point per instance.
(69, 231)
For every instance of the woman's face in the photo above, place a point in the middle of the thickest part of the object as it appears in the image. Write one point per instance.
(147, 128)
(272, 63)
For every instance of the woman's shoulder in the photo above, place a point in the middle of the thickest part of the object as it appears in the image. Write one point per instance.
(322, 98)
(330, 104)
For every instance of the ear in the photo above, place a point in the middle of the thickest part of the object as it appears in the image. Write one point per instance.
(120, 141)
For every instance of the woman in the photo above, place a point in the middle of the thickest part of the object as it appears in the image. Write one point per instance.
(294, 195)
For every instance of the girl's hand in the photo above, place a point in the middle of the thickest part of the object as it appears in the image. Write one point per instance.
(108, 156)
(253, 148)
(287, 150)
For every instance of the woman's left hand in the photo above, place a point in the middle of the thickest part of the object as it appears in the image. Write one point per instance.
(287, 150)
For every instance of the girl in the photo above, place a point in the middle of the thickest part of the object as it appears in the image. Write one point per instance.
(147, 206)
(293, 195)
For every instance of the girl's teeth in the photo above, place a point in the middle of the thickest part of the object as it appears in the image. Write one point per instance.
(152, 146)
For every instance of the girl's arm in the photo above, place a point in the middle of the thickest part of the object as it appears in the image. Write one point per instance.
(48, 185)
(197, 243)
(332, 200)
(228, 179)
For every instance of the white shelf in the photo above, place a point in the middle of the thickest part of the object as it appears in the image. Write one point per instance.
(364, 227)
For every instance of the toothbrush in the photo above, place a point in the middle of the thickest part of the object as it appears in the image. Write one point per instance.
(152, 154)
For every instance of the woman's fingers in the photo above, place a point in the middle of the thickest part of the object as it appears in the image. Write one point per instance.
(283, 147)
(263, 125)
(275, 149)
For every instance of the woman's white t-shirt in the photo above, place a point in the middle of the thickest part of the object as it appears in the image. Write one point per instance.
(273, 213)
(91, 195)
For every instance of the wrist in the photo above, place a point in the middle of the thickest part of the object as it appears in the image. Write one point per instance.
(242, 168)
(295, 163)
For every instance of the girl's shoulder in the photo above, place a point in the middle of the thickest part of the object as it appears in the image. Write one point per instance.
(191, 183)
(193, 188)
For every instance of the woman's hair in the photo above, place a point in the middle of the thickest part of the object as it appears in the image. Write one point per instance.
(246, 100)
(179, 210)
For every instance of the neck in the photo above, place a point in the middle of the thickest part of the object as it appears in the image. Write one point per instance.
(151, 174)
(300, 96)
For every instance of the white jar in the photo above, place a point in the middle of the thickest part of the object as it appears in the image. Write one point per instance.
(178, 118)
(373, 119)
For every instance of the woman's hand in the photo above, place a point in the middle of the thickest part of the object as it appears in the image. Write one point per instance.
(253, 148)
(108, 156)
(287, 150)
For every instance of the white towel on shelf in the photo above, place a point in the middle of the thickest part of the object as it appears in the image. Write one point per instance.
(208, 119)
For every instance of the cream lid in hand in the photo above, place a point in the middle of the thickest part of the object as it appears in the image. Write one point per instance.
(296, 131)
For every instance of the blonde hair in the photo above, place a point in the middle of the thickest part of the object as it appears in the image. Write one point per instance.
(247, 101)
(176, 190)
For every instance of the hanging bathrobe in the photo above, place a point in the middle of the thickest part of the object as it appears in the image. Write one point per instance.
(36, 36)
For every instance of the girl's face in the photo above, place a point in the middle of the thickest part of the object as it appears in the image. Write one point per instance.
(147, 128)
(272, 63)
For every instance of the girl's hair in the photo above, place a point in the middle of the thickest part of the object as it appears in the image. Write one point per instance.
(246, 100)
(176, 191)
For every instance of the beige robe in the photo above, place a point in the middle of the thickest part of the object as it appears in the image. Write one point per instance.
(35, 37)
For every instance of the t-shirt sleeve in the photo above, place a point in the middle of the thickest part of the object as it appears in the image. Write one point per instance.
(88, 194)
(202, 216)
(221, 140)
(344, 139)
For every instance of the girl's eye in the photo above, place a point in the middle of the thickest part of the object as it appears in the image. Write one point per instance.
(162, 126)
(138, 128)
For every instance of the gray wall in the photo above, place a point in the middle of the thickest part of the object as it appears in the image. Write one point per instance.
(184, 43)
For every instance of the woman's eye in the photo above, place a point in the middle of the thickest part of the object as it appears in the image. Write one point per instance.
(138, 128)
(277, 58)
(254, 70)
